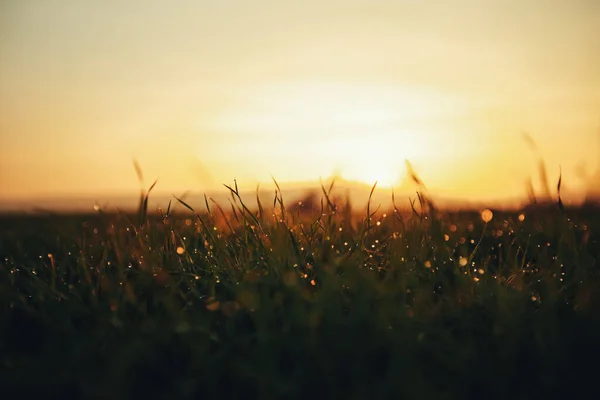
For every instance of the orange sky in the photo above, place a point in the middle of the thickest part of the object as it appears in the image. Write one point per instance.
(200, 92)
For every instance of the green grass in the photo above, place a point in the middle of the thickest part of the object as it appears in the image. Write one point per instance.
(215, 301)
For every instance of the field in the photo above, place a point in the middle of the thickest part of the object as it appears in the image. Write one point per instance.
(323, 300)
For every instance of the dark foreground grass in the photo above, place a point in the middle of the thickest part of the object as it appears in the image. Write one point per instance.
(294, 303)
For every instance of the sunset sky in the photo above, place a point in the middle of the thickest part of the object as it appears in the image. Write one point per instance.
(204, 91)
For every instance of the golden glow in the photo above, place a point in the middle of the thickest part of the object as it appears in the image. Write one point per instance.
(361, 132)
(209, 91)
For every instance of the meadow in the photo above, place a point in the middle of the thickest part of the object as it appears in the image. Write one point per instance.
(323, 299)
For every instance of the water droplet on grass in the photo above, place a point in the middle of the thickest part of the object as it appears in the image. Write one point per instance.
(487, 215)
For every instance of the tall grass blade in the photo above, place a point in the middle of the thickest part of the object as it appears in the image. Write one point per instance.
(143, 212)
(258, 203)
(206, 203)
(138, 171)
(183, 203)
(561, 206)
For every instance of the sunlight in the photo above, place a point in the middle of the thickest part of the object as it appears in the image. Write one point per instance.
(212, 91)
(373, 172)
(365, 131)
(378, 157)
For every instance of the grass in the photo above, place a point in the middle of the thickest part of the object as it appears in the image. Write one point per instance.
(289, 301)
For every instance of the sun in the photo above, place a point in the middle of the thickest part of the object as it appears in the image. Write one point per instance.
(372, 171)
(379, 157)
(364, 131)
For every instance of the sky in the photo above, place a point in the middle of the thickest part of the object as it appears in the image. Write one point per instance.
(202, 92)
